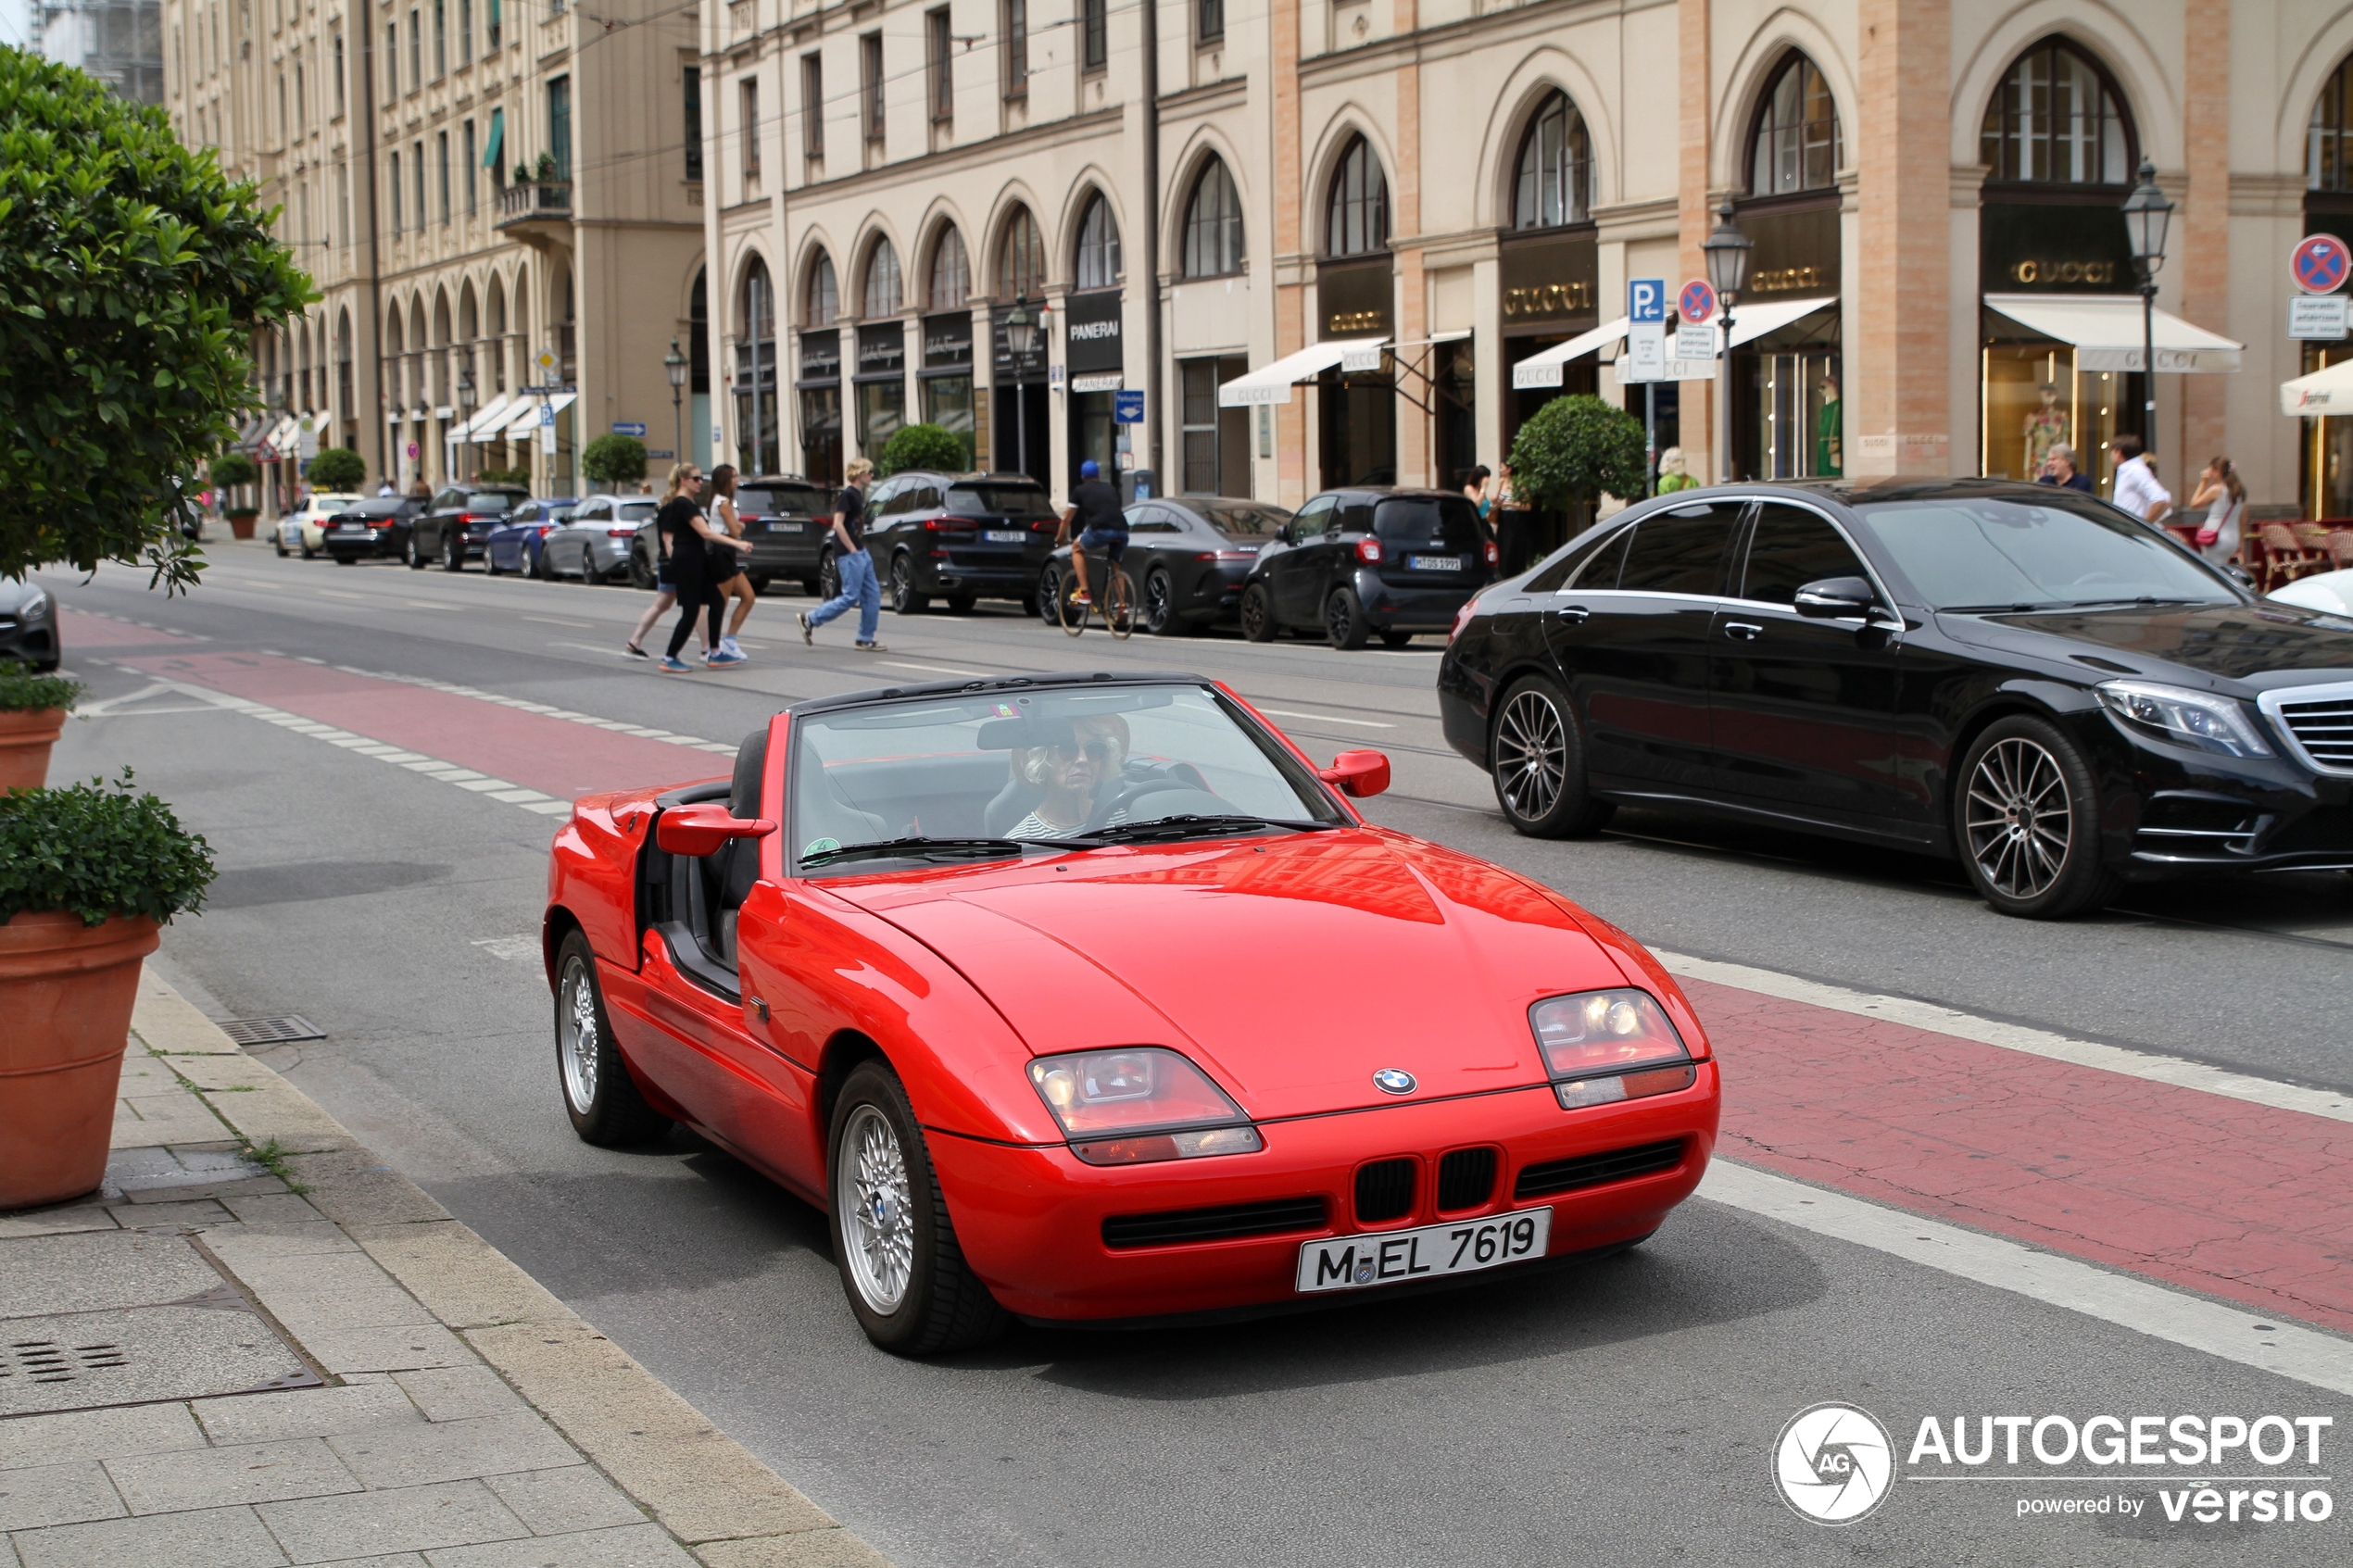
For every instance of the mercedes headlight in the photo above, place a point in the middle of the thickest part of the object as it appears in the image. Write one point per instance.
(2197, 718)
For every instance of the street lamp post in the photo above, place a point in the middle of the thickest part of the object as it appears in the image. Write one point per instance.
(1727, 252)
(675, 363)
(2146, 213)
(465, 410)
(1021, 337)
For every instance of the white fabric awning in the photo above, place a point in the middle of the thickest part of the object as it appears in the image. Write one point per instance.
(1543, 369)
(282, 438)
(1751, 320)
(2322, 392)
(493, 416)
(526, 414)
(1272, 382)
(2106, 331)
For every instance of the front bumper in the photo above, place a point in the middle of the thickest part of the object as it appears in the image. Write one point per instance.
(1030, 1220)
(33, 640)
(2170, 810)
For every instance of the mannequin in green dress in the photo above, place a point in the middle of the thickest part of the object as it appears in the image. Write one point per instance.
(1829, 457)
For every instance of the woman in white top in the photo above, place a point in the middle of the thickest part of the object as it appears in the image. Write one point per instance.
(2223, 494)
(1073, 773)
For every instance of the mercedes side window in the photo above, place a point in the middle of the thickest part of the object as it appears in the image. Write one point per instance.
(1790, 547)
(1309, 524)
(1681, 551)
(1600, 569)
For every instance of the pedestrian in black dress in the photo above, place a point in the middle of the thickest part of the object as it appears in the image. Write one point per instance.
(697, 567)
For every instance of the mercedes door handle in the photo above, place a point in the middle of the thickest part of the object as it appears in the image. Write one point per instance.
(1574, 615)
(1744, 630)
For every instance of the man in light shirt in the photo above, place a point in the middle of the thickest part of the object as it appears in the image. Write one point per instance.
(2138, 490)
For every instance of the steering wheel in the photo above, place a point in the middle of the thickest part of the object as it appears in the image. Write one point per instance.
(1124, 799)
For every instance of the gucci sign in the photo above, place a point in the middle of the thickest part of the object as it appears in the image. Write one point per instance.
(1545, 300)
(2036, 271)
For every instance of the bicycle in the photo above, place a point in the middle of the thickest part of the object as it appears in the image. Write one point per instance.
(1114, 602)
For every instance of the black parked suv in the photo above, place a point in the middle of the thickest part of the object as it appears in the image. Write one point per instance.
(456, 527)
(788, 520)
(959, 536)
(377, 526)
(2016, 676)
(1369, 561)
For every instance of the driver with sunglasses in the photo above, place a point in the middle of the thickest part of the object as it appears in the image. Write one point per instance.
(1072, 772)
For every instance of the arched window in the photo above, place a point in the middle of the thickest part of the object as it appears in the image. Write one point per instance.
(1021, 264)
(823, 303)
(882, 295)
(1098, 245)
(1356, 213)
(1797, 145)
(1213, 224)
(1555, 182)
(952, 273)
(760, 302)
(2328, 147)
(2057, 119)
(497, 317)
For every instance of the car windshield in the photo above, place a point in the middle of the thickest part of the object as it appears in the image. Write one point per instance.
(1245, 523)
(490, 501)
(796, 500)
(638, 511)
(1448, 522)
(1975, 553)
(1000, 500)
(998, 775)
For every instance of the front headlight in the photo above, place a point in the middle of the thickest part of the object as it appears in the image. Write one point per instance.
(2198, 719)
(1606, 1045)
(35, 604)
(1138, 1104)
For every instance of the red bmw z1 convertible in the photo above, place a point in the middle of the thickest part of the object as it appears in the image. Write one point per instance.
(1091, 1000)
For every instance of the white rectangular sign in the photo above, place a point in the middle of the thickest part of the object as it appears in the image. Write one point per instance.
(1695, 342)
(2320, 317)
(1645, 354)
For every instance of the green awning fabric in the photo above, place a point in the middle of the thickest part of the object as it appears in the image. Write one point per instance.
(498, 121)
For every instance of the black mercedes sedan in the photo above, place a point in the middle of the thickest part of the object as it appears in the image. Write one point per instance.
(29, 625)
(1188, 556)
(2020, 678)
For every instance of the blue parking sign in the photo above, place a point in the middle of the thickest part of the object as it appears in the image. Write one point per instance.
(1646, 299)
(1127, 407)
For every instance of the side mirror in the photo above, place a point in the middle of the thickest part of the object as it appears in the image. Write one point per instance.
(1283, 533)
(1357, 774)
(1831, 598)
(701, 830)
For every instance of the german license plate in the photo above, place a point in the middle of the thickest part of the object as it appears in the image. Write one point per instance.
(1434, 563)
(1354, 1263)
(784, 528)
(1005, 535)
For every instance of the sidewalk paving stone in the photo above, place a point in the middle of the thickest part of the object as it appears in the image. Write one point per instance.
(556, 1502)
(95, 1435)
(58, 1494)
(635, 1546)
(308, 1413)
(447, 1450)
(403, 1519)
(176, 1483)
(219, 1538)
(458, 1392)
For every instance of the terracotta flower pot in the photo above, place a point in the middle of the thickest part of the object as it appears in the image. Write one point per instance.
(241, 524)
(66, 991)
(25, 740)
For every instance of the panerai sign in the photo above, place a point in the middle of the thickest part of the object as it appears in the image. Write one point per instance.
(1090, 333)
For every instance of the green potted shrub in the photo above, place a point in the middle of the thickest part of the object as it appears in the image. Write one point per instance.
(1575, 450)
(230, 470)
(32, 715)
(922, 446)
(88, 874)
(336, 471)
(613, 460)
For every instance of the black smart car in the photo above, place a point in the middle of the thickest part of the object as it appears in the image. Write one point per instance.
(2021, 678)
(1368, 561)
(788, 520)
(376, 527)
(456, 527)
(1188, 556)
(959, 536)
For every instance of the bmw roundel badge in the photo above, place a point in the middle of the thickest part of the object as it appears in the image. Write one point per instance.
(1393, 1081)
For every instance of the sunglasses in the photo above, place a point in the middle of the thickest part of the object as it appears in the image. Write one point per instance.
(1097, 749)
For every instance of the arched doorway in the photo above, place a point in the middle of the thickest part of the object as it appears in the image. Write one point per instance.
(1354, 292)
(819, 384)
(1550, 269)
(1024, 442)
(1788, 420)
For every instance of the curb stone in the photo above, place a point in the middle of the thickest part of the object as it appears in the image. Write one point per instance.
(711, 1495)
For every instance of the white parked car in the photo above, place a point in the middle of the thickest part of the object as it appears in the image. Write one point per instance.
(2330, 591)
(304, 528)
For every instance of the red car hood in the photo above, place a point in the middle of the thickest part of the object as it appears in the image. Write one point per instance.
(1292, 968)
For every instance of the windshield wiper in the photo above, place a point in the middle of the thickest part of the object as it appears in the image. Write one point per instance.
(1188, 825)
(2142, 599)
(920, 847)
(2023, 608)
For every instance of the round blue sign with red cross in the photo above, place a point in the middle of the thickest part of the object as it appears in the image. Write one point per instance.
(1697, 304)
(2321, 263)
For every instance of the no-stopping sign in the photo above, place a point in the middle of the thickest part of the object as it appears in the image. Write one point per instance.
(2320, 263)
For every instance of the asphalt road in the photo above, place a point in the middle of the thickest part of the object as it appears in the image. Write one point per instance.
(1620, 1413)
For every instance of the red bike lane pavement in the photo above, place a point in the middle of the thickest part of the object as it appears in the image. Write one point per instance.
(2212, 1194)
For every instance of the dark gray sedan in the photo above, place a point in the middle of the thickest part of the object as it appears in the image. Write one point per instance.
(29, 625)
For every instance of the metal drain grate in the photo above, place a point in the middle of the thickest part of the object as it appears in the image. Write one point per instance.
(46, 1361)
(271, 1030)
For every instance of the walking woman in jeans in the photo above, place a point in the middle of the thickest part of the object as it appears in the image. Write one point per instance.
(859, 586)
(737, 589)
(698, 554)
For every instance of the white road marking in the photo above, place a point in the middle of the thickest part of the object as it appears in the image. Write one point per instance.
(339, 594)
(1320, 717)
(551, 621)
(426, 604)
(511, 949)
(2150, 1065)
(929, 668)
(584, 647)
(2234, 1334)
